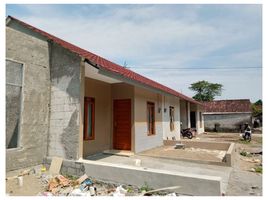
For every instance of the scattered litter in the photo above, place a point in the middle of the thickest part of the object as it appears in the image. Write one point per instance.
(63, 181)
(172, 194)
(43, 168)
(252, 170)
(82, 179)
(85, 185)
(77, 192)
(120, 191)
(92, 190)
(160, 189)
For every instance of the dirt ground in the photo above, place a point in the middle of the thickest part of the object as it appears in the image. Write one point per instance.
(31, 184)
(244, 180)
(191, 154)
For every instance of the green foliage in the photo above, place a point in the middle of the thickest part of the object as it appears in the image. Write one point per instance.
(256, 110)
(145, 187)
(206, 91)
(258, 103)
(244, 153)
(256, 107)
(258, 169)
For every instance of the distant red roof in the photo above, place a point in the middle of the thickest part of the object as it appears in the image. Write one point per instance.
(237, 105)
(106, 64)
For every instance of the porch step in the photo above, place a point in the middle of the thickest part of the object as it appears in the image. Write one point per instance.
(119, 152)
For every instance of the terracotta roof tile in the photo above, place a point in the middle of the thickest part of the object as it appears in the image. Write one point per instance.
(106, 64)
(236, 105)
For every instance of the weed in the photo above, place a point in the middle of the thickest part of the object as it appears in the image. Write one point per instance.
(244, 153)
(69, 176)
(258, 169)
(145, 187)
(243, 141)
(129, 190)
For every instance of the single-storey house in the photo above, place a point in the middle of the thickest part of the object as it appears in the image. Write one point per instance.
(64, 101)
(227, 115)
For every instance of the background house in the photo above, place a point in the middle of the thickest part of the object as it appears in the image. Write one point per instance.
(227, 115)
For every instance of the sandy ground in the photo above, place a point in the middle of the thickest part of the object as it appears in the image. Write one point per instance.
(31, 184)
(186, 154)
(242, 182)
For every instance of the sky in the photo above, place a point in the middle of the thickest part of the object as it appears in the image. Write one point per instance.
(175, 45)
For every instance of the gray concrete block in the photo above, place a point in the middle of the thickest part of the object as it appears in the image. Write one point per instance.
(191, 184)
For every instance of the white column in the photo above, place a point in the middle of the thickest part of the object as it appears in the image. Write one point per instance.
(188, 115)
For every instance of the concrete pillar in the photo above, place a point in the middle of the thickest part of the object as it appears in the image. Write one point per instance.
(81, 116)
(197, 115)
(188, 115)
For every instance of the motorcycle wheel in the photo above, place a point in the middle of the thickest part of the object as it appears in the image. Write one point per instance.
(190, 135)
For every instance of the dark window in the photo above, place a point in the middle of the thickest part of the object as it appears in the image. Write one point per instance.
(150, 118)
(171, 118)
(14, 76)
(89, 118)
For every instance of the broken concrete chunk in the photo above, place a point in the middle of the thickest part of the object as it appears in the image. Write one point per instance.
(63, 181)
(82, 179)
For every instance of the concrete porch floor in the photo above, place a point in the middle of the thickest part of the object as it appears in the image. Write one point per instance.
(168, 165)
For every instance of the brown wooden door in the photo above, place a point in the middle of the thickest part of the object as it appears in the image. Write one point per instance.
(122, 124)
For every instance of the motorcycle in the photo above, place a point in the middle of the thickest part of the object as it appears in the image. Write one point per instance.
(187, 133)
(247, 133)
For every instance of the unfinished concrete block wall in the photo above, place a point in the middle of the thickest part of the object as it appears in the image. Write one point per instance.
(65, 103)
(227, 122)
(143, 141)
(33, 53)
(169, 134)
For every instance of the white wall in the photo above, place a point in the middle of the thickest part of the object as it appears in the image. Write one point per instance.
(143, 141)
(200, 129)
(168, 101)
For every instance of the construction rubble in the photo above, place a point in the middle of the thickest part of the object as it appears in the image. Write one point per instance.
(67, 185)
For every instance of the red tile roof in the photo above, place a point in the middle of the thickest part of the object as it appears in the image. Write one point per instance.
(106, 64)
(236, 105)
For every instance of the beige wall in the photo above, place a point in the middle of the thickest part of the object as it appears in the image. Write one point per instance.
(142, 140)
(101, 91)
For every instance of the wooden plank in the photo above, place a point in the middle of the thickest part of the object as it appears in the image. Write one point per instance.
(55, 166)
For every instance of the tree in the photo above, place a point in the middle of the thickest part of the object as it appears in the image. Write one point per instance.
(259, 102)
(257, 108)
(206, 91)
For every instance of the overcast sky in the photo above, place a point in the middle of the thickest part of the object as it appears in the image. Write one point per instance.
(171, 44)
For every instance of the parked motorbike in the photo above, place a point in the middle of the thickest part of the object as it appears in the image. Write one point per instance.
(187, 133)
(247, 133)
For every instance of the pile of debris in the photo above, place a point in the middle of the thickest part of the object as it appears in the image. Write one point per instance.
(60, 185)
(67, 185)
(87, 186)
